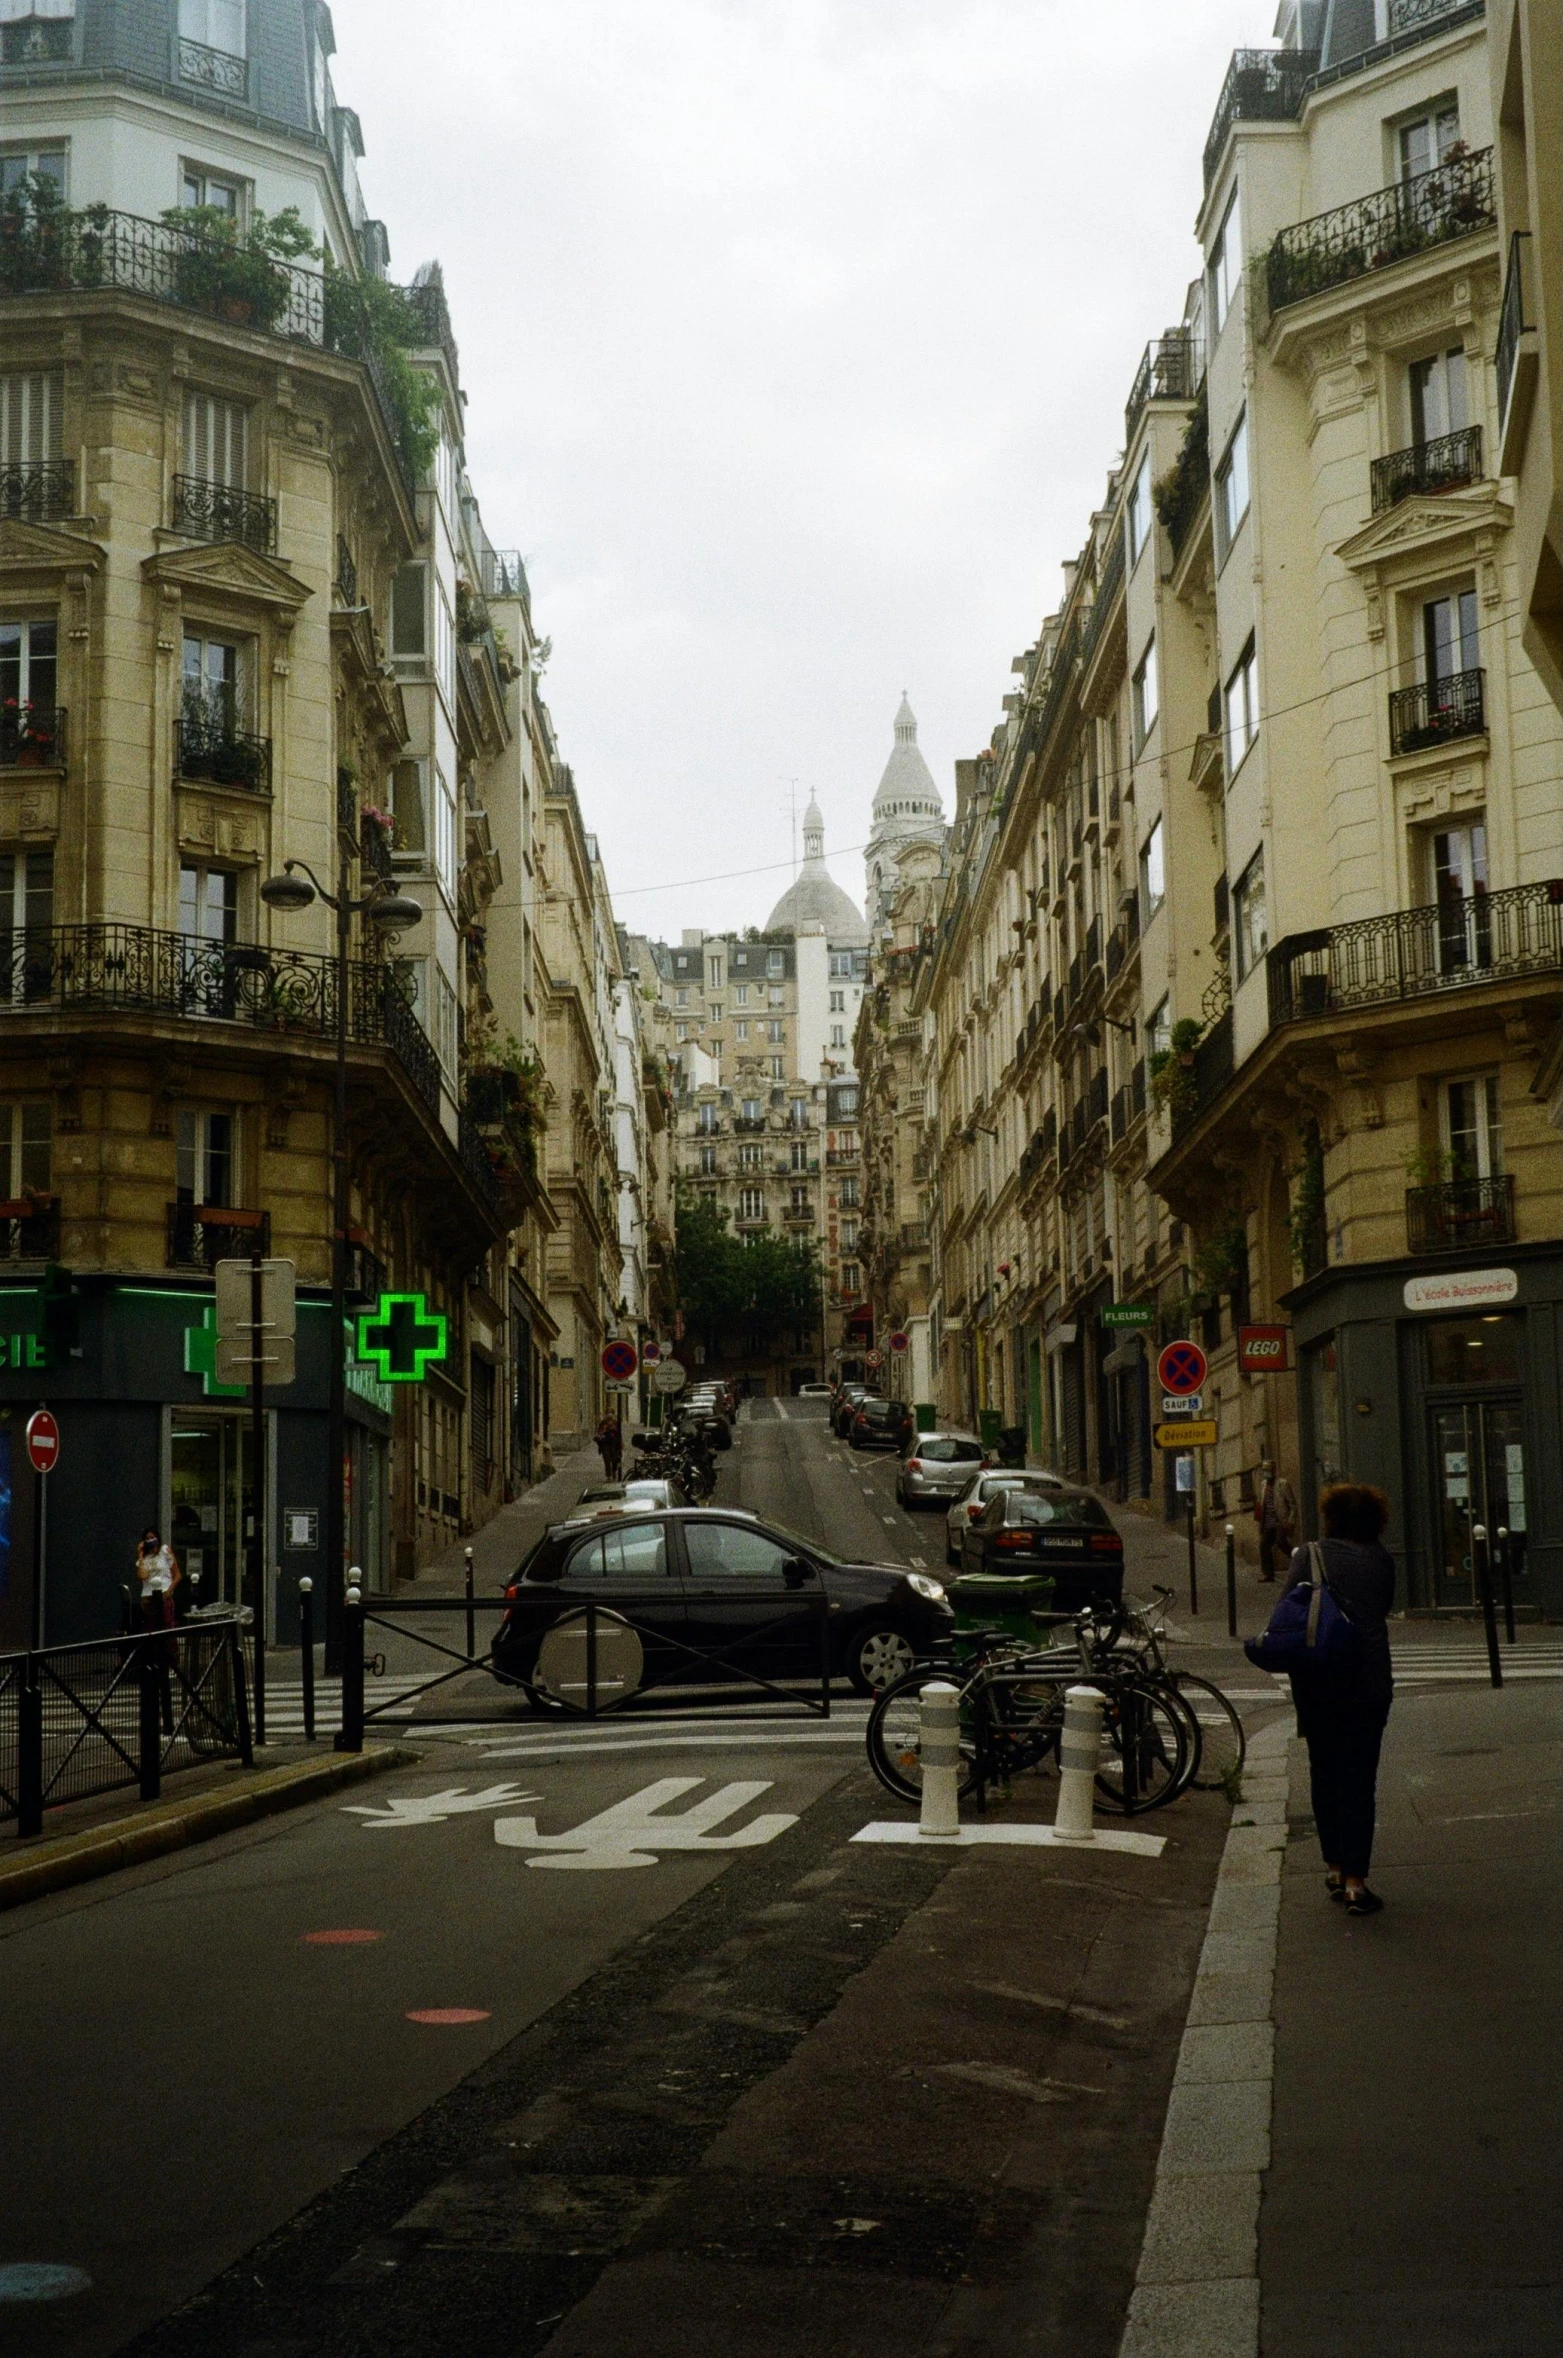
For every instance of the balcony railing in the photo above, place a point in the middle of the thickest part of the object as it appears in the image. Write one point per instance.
(137, 969)
(374, 849)
(1411, 953)
(30, 1228)
(217, 70)
(503, 574)
(1170, 371)
(201, 1235)
(208, 749)
(1513, 322)
(1213, 1067)
(215, 511)
(1439, 465)
(1453, 200)
(1461, 1215)
(479, 1166)
(1262, 86)
(39, 494)
(32, 737)
(1435, 712)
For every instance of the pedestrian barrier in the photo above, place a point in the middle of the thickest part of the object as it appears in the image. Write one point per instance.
(1079, 1757)
(939, 1812)
(77, 1721)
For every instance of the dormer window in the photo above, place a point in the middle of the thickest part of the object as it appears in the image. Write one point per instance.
(213, 47)
(37, 32)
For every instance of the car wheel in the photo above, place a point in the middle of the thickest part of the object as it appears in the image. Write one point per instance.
(878, 1655)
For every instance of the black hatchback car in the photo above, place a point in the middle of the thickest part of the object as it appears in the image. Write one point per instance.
(1066, 1533)
(714, 1595)
(881, 1424)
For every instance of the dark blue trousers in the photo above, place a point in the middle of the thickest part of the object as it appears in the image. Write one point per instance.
(1343, 1742)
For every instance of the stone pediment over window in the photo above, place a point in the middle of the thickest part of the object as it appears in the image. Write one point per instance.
(40, 549)
(229, 570)
(1421, 535)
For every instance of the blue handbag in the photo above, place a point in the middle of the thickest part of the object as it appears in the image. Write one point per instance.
(1307, 1630)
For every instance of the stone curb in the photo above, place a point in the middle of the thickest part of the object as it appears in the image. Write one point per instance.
(126, 1842)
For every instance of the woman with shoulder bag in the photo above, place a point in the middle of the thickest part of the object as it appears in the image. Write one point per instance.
(1343, 1699)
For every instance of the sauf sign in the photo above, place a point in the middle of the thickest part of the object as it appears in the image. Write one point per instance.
(1263, 1350)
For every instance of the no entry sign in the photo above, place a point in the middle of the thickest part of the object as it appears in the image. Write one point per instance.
(1181, 1369)
(43, 1441)
(619, 1361)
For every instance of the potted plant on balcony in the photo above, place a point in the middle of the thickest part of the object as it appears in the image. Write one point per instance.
(35, 237)
(240, 275)
(1174, 1088)
(30, 732)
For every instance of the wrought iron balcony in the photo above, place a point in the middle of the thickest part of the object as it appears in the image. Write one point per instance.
(1213, 1067)
(1096, 1097)
(138, 969)
(1460, 1215)
(1435, 712)
(346, 583)
(201, 1235)
(1453, 200)
(30, 1228)
(210, 750)
(32, 737)
(215, 511)
(1439, 465)
(39, 494)
(479, 1165)
(1170, 371)
(503, 574)
(374, 848)
(1262, 86)
(1513, 324)
(217, 70)
(1452, 945)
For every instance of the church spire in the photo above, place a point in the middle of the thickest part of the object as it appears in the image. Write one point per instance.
(905, 722)
(813, 833)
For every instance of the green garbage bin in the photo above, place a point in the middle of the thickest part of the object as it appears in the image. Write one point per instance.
(997, 1600)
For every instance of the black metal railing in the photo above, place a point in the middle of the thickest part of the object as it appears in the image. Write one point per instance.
(1410, 953)
(375, 848)
(208, 747)
(367, 1275)
(1454, 199)
(1120, 1122)
(1186, 485)
(32, 737)
(1460, 1215)
(139, 969)
(38, 494)
(1434, 712)
(1096, 1096)
(201, 1235)
(346, 584)
(1262, 86)
(1438, 465)
(215, 511)
(1109, 582)
(430, 315)
(30, 1228)
(1407, 16)
(1213, 1068)
(504, 575)
(1137, 1091)
(478, 1164)
(1512, 321)
(217, 70)
(1170, 371)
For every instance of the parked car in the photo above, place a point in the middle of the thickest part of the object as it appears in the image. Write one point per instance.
(638, 1493)
(937, 1468)
(718, 1581)
(880, 1424)
(846, 1404)
(816, 1392)
(973, 1500)
(1067, 1533)
(703, 1412)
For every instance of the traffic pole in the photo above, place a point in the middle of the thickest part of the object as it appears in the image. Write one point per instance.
(1506, 1574)
(1193, 1564)
(258, 1488)
(1231, 1581)
(1483, 1570)
(306, 1639)
(472, 1641)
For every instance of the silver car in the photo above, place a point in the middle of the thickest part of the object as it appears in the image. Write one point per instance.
(937, 1468)
(630, 1497)
(979, 1489)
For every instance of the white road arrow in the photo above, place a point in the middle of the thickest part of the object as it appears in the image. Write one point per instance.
(432, 1809)
(632, 1834)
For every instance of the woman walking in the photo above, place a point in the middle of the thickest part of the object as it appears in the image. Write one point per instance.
(1342, 1706)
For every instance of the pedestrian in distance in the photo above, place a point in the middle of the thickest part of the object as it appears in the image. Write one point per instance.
(1275, 1511)
(1343, 1702)
(610, 1445)
(157, 1576)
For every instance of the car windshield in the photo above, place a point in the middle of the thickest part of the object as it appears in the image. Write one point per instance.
(1055, 1506)
(943, 1449)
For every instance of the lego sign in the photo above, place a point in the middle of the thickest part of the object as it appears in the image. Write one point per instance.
(1263, 1350)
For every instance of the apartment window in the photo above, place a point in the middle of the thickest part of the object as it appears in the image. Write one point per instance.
(36, 32)
(408, 627)
(1226, 265)
(444, 834)
(838, 1035)
(1232, 485)
(204, 1157)
(197, 186)
(31, 401)
(849, 1277)
(407, 808)
(777, 997)
(28, 667)
(1139, 510)
(681, 998)
(741, 995)
(1145, 696)
(1448, 640)
(713, 974)
(778, 1068)
(1460, 862)
(775, 962)
(714, 1012)
(849, 1236)
(751, 1203)
(1250, 926)
(800, 1202)
(846, 1104)
(1439, 399)
(216, 24)
(800, 1154)
(209, 904)
(838, 1002)
(444, 643)
(751, 1158)
(1242, 709)
(848, 1193)
(683, 1031)
(740, 1033)
(1426, 140)
(26, 922)
(840, 963)
(707, 1119)
(1472, 1132)
(216, 436)
(26, 1150)
(213, 682)
(1158, 1028)
(708, 1161)
(1153, 872)
(775, 1031)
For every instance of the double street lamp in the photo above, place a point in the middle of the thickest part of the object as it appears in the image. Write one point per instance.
(391, 913)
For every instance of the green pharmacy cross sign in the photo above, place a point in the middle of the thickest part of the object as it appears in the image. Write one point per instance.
(401, 1337)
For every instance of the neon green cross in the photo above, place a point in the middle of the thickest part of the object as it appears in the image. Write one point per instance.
(201, 1358)
(401, 1336)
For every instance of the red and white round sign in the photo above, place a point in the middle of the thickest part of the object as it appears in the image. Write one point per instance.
(43, 1441)
(1182, 1369)
(900, 1342)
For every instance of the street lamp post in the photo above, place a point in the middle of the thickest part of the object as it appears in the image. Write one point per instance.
(391, 913)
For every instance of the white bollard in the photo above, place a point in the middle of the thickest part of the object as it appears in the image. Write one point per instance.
(1079, 1757)
(939, 1752)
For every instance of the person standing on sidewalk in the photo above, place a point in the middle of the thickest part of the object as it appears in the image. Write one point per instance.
(1342, 1707)
(157, 1576)
(1275, 1511)
(610, 1444)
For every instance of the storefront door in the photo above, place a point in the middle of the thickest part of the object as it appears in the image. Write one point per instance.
(1479, 1466)
(209, 1504)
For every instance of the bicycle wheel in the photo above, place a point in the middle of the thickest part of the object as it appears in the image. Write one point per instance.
(1223, 1740)
(895, 1736)
(1146, 1748)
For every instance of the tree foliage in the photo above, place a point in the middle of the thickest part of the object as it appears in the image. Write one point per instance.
(753, 1287)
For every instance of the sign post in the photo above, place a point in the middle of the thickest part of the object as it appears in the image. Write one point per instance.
(257, 1321)
(43, 1455)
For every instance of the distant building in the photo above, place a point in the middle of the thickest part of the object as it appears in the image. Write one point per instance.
(907, 811)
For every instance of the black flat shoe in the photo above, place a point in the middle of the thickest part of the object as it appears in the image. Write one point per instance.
(1363, 1902)
(1335, 1885)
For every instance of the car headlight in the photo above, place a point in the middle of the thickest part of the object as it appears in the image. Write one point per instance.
(921, 1586)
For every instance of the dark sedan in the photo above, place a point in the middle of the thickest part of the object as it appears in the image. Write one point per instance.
(846, 1405)
(1065, 1533)
(716, 1596)
(881, 1424)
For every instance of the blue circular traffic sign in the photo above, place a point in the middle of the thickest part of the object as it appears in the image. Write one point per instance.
(1182, 1369)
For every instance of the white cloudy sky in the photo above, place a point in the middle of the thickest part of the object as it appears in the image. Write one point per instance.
(796, 335)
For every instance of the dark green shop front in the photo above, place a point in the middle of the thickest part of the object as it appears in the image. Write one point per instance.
(148, 1436)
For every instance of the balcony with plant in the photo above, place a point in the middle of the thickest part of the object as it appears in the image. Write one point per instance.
(506, 1105)
(212, 749)
(32, 735)
(1453, 200)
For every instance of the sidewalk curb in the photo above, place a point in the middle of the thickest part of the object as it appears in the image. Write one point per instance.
(101, 1850)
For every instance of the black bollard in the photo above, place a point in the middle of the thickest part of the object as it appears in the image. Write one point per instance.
(1193, 1563)
(306, 1639)
(1231, 1581)
(1506, 1575)
(351, 1736)
(1483, 1569)
(472, 1640)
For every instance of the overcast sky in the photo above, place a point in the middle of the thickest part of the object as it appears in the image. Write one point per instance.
(796, 336)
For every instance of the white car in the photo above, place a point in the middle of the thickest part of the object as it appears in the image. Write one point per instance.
(634, 1496)
(974, 1498)
(814, 1391)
